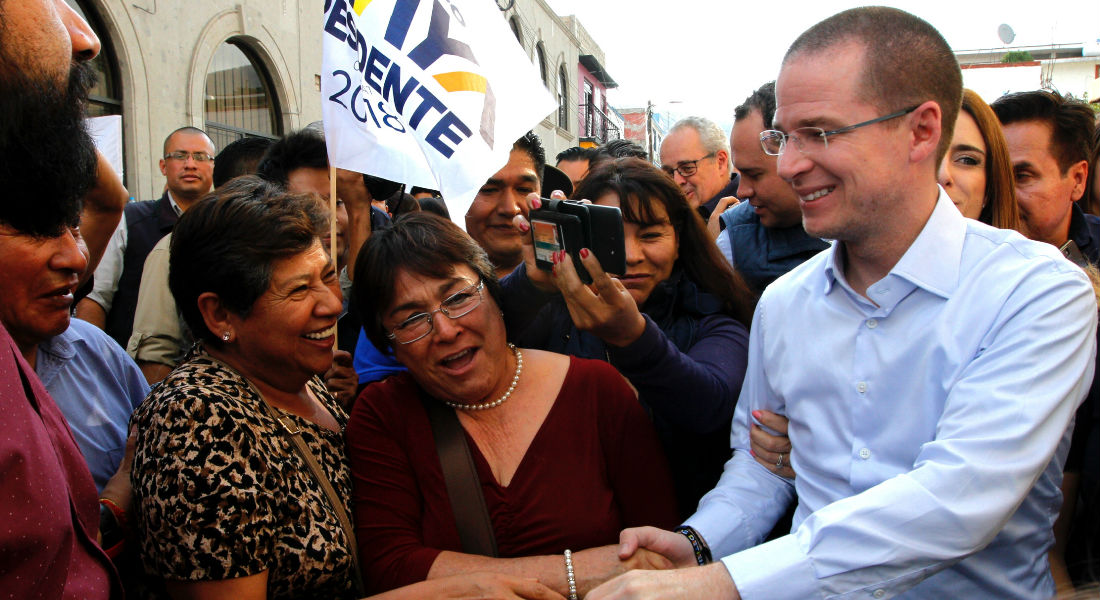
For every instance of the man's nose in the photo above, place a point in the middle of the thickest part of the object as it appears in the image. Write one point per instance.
(84, 41)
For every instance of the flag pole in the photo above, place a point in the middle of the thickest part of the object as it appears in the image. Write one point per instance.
(332, 230)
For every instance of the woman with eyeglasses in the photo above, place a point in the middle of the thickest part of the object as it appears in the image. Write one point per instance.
(675, 324)
(240, 480)
(561, 456)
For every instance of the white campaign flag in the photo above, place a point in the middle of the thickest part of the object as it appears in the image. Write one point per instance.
(426, 92)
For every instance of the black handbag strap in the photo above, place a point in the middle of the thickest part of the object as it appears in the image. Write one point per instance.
(475, 530)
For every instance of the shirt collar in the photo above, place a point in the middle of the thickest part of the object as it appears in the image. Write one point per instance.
(931, 262)
(52, 354)
(172, 202)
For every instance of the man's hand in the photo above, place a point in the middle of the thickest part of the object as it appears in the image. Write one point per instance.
(605, 308)
(767, 448)
(714, 223)
(597, 565)
(341, 379)
(669, 544)
(711, 582)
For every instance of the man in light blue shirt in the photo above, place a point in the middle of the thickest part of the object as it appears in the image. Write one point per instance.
(929, 365)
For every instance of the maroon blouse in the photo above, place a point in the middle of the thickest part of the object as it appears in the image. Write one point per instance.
(592, 469)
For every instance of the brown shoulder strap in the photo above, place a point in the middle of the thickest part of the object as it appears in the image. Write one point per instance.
(475, 530)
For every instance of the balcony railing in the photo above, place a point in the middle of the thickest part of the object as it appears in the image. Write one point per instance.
(596, 126)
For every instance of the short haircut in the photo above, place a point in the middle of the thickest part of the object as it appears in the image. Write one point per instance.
(1071, 122)
(435, 206)
(907, 61)
(240, 157)
(304, 148)
(228, 242)
(621, 149)
(1000, 210)
(402, 203)
(761, 100)
(188, 130)
(531, 143)
(1092, 190)
(420, 243)
(710, 134)
(575, 153)
(640, 187)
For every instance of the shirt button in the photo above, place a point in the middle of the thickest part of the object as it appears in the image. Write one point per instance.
(864, 453)
(872, 323)
(862, 387)
(879, 593)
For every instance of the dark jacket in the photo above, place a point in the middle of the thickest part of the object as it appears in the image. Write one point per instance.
(146, 223)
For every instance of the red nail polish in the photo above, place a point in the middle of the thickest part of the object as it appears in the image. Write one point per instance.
(753, 454)
(584, 252)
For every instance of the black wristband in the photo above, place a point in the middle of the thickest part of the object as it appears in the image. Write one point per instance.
(698, 544)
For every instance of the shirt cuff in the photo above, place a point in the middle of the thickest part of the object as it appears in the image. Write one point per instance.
(777, 565)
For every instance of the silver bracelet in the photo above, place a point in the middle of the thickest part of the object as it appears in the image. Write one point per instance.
(570, 577)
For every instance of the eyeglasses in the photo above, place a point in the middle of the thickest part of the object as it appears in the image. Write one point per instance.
(454, 306)
(686, 168)
(181, 155)
(813, 139)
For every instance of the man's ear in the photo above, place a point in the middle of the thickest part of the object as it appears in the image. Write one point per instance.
(723, 159)
(926, 126)
(1079, 173)
(214, 314)
(163, 170)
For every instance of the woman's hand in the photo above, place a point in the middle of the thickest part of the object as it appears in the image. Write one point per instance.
(767, 448)
(480, 586)
(605, 308)
(714, 223)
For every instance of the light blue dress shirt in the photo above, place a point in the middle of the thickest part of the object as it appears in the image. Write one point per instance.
(928, 427)
(96, 385)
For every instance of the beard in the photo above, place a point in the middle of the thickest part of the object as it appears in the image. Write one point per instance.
(47, 158)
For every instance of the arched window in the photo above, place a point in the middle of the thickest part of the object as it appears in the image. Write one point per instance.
(239, 99)
(563, 99)
(540, 55)
(105, 98)
(514, 23)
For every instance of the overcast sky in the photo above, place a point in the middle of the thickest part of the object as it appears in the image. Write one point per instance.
(705, 56)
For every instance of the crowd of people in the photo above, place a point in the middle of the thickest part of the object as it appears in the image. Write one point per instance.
(852, 351)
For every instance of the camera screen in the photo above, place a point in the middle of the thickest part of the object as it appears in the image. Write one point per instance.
(547, 239)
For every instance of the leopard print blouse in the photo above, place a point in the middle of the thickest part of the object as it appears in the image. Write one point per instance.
(221, 493)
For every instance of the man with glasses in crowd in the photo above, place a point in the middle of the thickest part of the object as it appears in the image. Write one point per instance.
(188, 167)
(696, 154)
(929, 364)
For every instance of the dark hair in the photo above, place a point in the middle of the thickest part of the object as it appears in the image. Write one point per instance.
(435, 206)
(416, 189)
(575, 153)
(532, 145)
(640, 186)
(49, 160)
(240, 157)
(228, 242)
(399, 204)
(301, 149)
(188, 130)
(1000, 208)
(763, 100)
(1092, 190)
(1071, 122)
(907, 61)
(616, 149)
(381, 188)
(420, 243)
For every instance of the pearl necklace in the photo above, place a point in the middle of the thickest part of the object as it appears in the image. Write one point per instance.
(498, 401)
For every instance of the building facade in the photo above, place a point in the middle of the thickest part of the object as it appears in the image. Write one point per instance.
(1072, 69)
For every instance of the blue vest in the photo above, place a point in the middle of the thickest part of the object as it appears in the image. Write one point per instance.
(761, 254)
